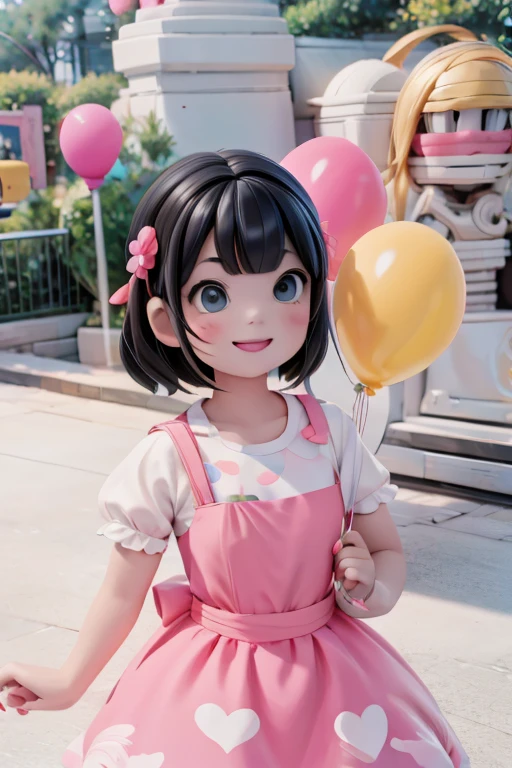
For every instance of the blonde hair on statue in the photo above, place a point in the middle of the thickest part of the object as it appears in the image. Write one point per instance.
(458, 76)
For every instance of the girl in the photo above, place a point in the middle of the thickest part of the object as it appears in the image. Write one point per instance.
(257, 664)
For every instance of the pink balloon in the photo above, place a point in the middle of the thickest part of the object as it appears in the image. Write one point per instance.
(118, 7)
(346, 188)
(91, 139)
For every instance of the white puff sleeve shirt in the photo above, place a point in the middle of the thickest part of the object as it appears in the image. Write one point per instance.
(148, 495)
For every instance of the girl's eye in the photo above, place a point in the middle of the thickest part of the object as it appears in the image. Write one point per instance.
(211, 298)
(289, 288)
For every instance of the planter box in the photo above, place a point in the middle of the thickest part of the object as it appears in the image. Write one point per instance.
(91, 350)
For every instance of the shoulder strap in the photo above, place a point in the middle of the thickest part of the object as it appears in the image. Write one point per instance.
(317, 430)
(188, 450)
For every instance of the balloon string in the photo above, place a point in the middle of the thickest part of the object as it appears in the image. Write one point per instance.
(362, 402)
(335, 342)
(361, 408)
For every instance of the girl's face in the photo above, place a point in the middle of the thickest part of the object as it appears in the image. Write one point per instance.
(247, 324)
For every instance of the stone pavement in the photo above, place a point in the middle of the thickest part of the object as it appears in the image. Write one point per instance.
(453, 623)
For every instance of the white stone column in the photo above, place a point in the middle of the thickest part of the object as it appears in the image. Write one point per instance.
(215, 72)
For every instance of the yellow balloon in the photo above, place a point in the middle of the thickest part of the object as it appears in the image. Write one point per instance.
(398, 302)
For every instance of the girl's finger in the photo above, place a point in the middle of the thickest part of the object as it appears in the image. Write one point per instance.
(355, 539)
(356, 574)
(14, 701)
(351, 553)
(346, 564)
(18, 696)
(7, 676)
(353, 574)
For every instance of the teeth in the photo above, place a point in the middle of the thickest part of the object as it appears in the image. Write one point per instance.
(496, 120)
(470, 120)
(441, 122)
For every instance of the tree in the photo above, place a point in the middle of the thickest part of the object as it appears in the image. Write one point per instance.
(43, 26)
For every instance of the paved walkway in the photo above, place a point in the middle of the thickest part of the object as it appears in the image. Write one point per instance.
(453, 623)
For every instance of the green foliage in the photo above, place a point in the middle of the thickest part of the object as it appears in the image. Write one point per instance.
(96, 89)
(19, 88)
(155, 140)
(354, 18)
(484, 17)
(38, 211)
(41, 25)
(340, 18)
(148, 143)
(118, 209)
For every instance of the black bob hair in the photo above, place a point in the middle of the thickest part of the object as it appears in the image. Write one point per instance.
(251, 203)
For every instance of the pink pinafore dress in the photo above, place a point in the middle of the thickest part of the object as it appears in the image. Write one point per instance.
(254, 665)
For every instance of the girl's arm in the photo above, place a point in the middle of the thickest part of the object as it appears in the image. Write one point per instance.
(378, 538)
(112, 614)
(107, 624)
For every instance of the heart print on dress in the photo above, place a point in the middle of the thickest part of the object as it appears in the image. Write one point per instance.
(228, 731)
(363, 737)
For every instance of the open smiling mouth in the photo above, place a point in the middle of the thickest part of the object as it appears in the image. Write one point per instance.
(252, 346)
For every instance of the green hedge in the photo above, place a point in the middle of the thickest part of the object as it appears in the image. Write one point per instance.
(95, 89)
(484, 17)
(355, 18)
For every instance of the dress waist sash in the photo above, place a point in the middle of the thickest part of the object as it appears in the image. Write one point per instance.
(264, 627)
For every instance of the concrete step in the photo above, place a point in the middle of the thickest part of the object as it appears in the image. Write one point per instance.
(58, 348)
(20, 333)
(112, 385)
(474, 440)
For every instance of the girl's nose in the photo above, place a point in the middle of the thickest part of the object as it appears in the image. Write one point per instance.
(253, 314)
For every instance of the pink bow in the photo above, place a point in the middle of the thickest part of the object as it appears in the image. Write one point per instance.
(333, 259)
(143, 250)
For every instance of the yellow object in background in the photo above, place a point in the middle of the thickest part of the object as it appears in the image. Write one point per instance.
(14, 181)
(398, 302)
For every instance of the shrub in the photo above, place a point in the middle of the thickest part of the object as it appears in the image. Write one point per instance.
(19, 88)
(491, 18)
(38, 211)
(340, 18)
(97, 89)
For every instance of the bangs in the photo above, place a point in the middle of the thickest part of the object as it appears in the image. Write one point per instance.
(250, 218)
(252, 221)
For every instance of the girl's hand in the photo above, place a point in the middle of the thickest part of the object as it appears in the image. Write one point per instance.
(353, 563)
(30, 688)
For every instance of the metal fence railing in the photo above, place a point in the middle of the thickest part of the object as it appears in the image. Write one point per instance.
(35, 277)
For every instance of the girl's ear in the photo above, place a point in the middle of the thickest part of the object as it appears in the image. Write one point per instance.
(160, 323)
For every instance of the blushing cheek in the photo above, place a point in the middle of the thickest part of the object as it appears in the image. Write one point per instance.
(208, 329)
(298, 316)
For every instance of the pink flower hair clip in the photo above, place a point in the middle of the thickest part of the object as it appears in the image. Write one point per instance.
(143, 251)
